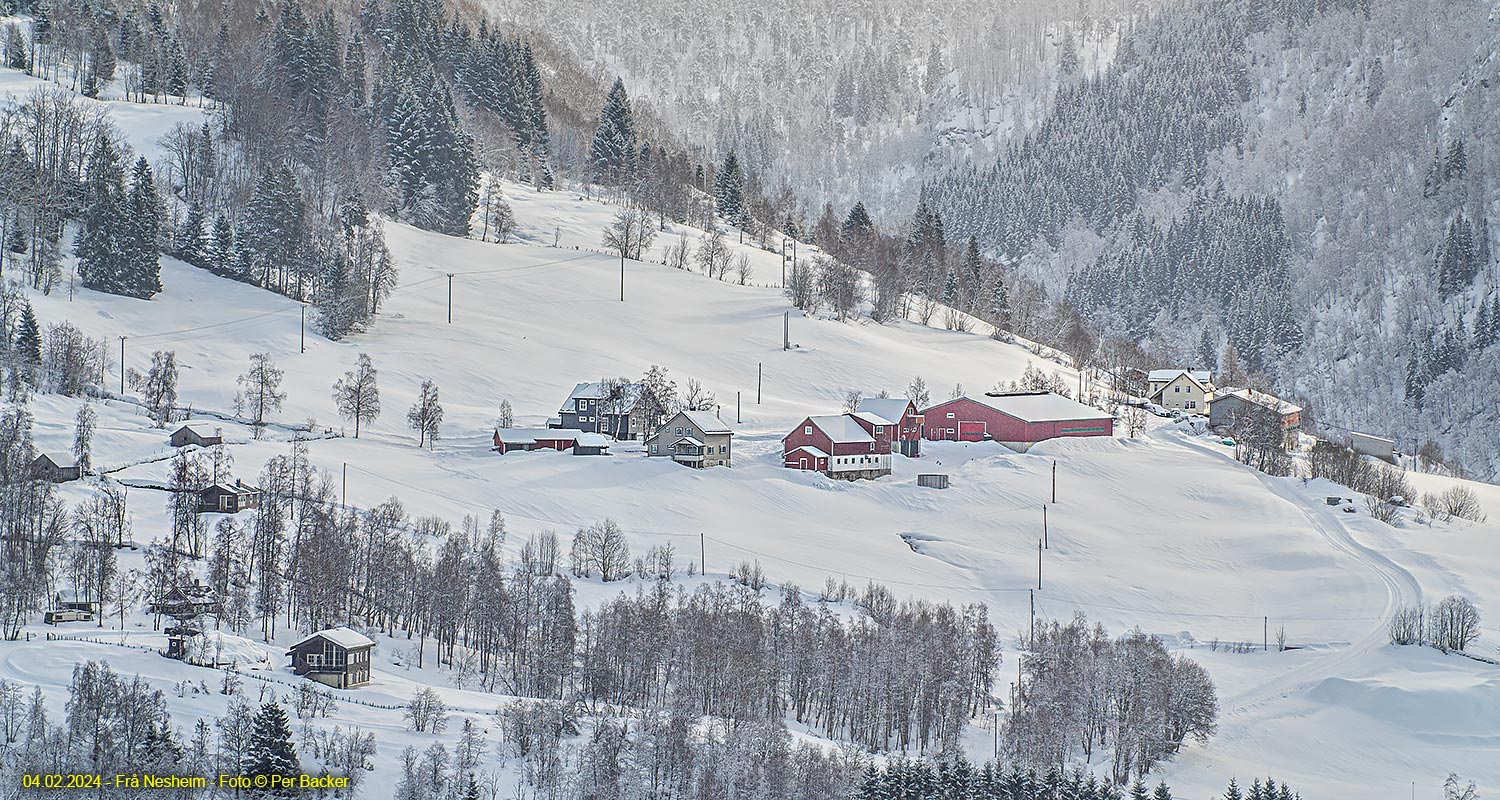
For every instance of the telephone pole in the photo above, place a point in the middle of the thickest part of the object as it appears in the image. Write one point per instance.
(757, 382)
(786, 330)
(622, 274)
(122, 366)
(702, 556)
(450, 298)
(345, 501)
(1045, 543)
(1054, 481)
(302, 326)
(736, 408)
(1039, 565)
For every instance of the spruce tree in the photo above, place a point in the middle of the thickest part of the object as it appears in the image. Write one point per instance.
(729, 190)
(1162, 792)
(221, 255)
(612, 153)
(100, 241)
(191, 238)
(141, 270)
(29, 338)
(271, 750)
(1233, 792)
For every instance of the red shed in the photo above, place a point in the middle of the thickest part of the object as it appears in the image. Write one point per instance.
(844, 448)
(1017, 420)
(509, 440)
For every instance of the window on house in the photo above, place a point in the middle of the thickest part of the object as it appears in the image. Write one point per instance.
(806, 430)
(653, 448)
(1176, 390)
(950, 415)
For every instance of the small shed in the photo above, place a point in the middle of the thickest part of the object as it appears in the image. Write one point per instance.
(338, 657)
(196, 433)
(226, 498)
(591, 444)
(1375, 446)
(55, 467)
(933, 480)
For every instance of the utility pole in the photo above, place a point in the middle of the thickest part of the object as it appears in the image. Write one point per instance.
(1265, 634)
(1039, 565)
(784, 243)
(302, 325)
(450, 298)
(736, 408)
(1054, 481)
(786, 330)
(1032, 594)
(1045, 543)
(345, 501)
(622, 274)
(122, 366)
(757, 383)
(702, 556)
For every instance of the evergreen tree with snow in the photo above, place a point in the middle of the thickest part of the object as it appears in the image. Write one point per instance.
(29, 338)
(271, 751)
(141, 267)
(101, 237)
(1233, 792)
(192, 237)
(221, 252)
(729, 190)
(612, 153)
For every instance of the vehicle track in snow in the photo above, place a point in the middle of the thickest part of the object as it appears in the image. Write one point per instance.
(1401, 589)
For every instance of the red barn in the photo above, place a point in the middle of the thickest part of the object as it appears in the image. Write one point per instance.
(1017, 420)
(904, 418)
(839, 446)
(510, 440)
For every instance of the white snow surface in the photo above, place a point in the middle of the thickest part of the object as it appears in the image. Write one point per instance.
(1165, 532)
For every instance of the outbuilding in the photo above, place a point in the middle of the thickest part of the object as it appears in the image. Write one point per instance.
(837, 445)
(196, 433)
(55, 468)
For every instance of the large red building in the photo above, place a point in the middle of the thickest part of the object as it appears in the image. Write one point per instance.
(839, 446)
(1016, 420)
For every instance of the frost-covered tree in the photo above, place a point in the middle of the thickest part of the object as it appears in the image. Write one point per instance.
(357, 394)
(425, 417)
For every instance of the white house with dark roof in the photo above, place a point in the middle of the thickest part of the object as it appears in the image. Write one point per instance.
(694, 438)
(1190, 390)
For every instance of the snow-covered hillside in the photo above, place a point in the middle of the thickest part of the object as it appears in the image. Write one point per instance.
(1165, 531)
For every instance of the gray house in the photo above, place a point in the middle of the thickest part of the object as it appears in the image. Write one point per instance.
(196, 433)
(695, 438)
(55, 467)
(622, 410)
(1369, 445)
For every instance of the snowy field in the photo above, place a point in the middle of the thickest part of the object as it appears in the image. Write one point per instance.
(1165, 532)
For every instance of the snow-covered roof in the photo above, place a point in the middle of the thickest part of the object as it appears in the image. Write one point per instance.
(873, 419)
(1042, 407)
(841, 428)
(891, 408)
(343, 636)
(630, 394)
(692, 440)
(199, 429)
(593, 439)
(706, 422)
(1169, 375)
(1262, 399)
(533, 435)
(238, 487)
(807, 448)
(60, 460)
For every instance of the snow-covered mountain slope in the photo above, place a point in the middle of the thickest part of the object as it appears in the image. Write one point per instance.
(1166, 531)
